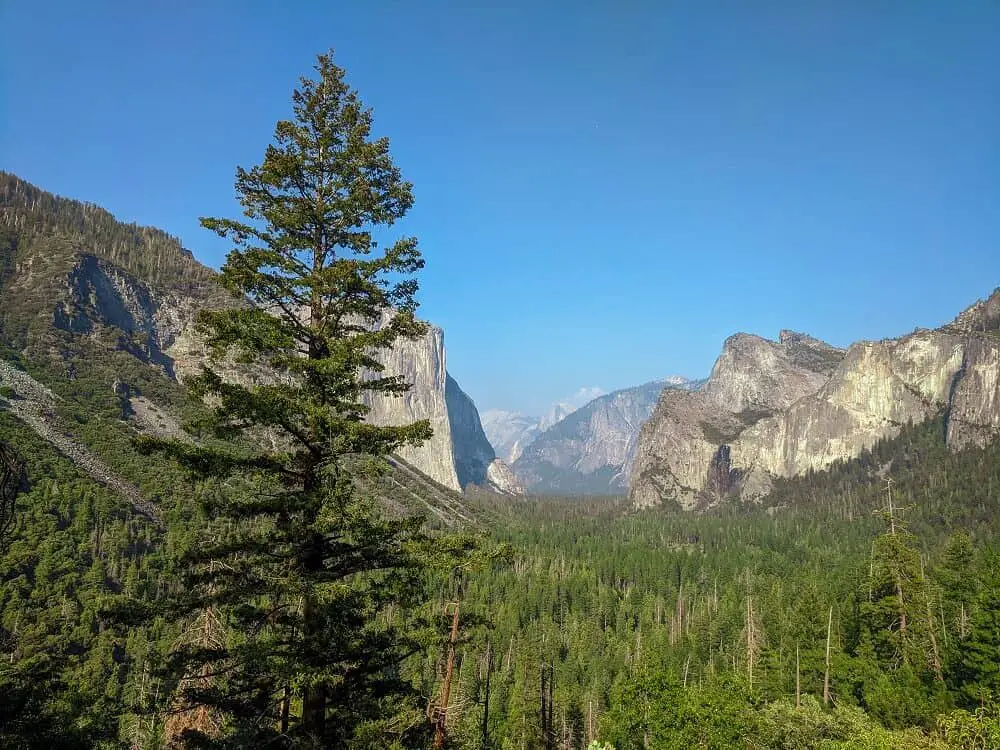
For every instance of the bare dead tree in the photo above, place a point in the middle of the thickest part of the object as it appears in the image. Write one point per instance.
(439, 712)
(485, 727)
(206, 632)
(826, 671)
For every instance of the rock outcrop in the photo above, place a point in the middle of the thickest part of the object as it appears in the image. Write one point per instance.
(472, 450)
(79, 289)
(158, 328)
(500, 478)
(783, 408)
(458, 454)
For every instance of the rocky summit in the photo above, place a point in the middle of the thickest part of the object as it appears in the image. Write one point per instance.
(782, 408)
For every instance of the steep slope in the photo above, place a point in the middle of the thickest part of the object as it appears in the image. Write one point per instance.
(752, 379)
(780, 409)
(511, 433)
(591, 450)
(474, 456)
(72, 272)
(458, 454)
(34, 404)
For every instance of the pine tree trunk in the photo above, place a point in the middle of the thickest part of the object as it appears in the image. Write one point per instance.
(313, 696)
(798, 679)
(486, 697)
(826, 674)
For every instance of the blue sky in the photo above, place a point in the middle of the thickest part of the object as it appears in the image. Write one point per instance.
(605, 190)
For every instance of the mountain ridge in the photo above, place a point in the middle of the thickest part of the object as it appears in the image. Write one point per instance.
(591, 450)
(87, 296)
(781, 408)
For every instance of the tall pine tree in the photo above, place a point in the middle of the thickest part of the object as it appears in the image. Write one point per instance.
(295, 588)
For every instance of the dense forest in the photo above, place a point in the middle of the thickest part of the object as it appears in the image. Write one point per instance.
(822, 617)
(286, 595)
(653, 629)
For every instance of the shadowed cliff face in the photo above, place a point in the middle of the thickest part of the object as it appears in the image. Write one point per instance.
(473, 452)
(100, 294)
(458, 454)
(722, 480)
(783, 408)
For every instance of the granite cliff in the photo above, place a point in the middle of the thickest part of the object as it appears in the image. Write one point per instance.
(458, 454)
(781, 408)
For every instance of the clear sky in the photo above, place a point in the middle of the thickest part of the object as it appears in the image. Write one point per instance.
(605, 190)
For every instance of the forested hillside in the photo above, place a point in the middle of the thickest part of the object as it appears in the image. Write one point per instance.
(32, 215)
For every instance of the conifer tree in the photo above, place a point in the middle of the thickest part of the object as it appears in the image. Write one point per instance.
(11, 483)
(978, 665)
(295, 560)
(956, 576)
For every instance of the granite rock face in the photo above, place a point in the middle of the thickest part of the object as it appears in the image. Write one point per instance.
(421, 362)
(751, 380)
(472, 451)
(499, 477)
(458, 454)
(782, 408)
(98, 295)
